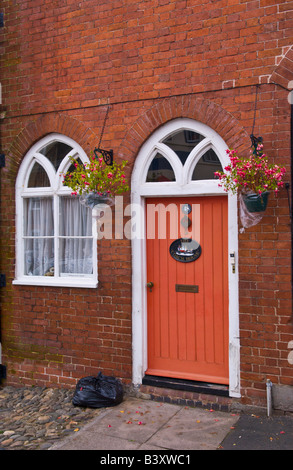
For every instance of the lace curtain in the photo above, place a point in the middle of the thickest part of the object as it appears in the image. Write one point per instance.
(75, 221)
(73, 242)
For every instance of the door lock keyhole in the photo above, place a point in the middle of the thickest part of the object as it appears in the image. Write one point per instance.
(150, 285)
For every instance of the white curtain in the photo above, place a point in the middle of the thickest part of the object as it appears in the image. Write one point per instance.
(75, 237)
(39, 233)
(75, 222)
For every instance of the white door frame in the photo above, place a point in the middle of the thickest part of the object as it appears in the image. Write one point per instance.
(181, 187)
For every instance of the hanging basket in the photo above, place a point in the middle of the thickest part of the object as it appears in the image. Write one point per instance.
(256, 202)
(94, 199)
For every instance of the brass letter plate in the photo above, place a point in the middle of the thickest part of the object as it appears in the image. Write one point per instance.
(186, 288)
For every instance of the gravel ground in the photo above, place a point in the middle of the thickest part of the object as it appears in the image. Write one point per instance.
(34, 418)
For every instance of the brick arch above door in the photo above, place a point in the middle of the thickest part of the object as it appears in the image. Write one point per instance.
(187, 106)
(42, 126)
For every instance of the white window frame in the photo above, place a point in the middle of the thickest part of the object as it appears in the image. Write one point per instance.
(140, 189)
(56, 190)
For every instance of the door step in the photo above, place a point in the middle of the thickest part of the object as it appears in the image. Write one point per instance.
(186, 385)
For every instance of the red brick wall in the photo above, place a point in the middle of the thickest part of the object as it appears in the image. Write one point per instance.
(152, 61)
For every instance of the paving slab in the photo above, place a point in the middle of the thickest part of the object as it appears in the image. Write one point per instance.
(148, 425)
(194, 429)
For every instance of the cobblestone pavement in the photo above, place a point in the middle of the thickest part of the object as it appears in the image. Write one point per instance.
(34, 418)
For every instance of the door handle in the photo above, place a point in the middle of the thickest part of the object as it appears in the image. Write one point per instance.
(150, 285)
(232, 260)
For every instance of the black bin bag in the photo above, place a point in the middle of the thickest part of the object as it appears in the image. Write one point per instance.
(98, 392)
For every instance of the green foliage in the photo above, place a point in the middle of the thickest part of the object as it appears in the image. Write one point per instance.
(96, 177)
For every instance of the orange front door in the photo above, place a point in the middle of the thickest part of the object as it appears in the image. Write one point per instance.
(188, 302)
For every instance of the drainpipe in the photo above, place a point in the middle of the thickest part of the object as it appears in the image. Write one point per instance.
(291, 204)
(269, 398)
(2, 367)
(2, 284)
(2, 276)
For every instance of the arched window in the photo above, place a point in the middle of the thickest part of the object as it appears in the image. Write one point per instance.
(184, 147)
(182, 156)
(55, 241)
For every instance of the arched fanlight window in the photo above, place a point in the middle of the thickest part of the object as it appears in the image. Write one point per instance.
(206, 166)
(38, 177)
(183, 148)
(55, 238)
(160, 170)
(183, 142)
(55, 152)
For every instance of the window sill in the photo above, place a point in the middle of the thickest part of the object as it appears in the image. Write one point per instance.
(61, 282)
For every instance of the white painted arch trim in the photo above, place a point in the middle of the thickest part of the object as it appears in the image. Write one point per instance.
(181, 187)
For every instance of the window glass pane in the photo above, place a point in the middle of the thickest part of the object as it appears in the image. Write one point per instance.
(38, 227)
(39, 256)
(183, 142)
(74, 218)
(76, 253)
(76, 256)
(55, 152)
(38, 177)
(160, 170)
(206, 166)
(38, 217)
